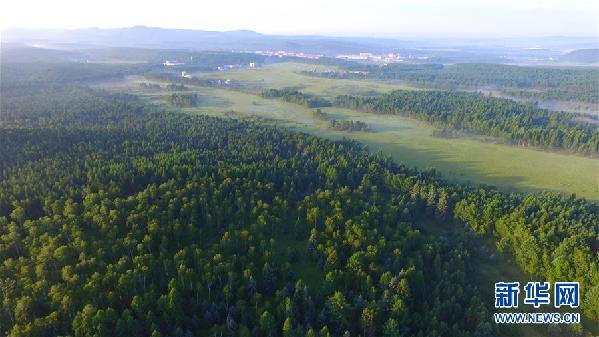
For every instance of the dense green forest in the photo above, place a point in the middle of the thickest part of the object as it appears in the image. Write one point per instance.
(517, 123)
(122, 219)
(541, 83)
(297, 97)
(63, 72)
(193, 60)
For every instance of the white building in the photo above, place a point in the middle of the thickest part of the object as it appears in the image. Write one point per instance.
(172, 63)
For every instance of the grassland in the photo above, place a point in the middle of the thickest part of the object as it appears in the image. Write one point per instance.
(473, 159)
(282, 75)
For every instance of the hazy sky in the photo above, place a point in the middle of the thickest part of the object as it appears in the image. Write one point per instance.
(329, 17)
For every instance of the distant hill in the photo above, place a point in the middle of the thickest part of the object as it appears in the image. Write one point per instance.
(582, 56)
(15, 53)
(153, 37)
(444, 50)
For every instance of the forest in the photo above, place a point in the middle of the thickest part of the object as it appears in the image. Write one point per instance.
(69, 73)
(296, 97)
(516, 123)
(539, 83)
(118, 218)
(145, 57)
(204, 60)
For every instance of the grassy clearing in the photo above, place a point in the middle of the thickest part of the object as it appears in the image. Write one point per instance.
(467, 159)
(284, 75)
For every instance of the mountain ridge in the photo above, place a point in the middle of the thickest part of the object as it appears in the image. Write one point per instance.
(155, 37)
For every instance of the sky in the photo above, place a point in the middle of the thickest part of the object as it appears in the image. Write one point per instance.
(391, 18)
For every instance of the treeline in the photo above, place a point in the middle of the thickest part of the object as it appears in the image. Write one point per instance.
(542, 83)
(296, 97)
(182, 100)
(517, 123)
(341, 125)
(176, 87)
(210, 61)
(319, 114)
(150, 86)
(15, 74)
(349, 125)
(547, 83)
(157, 87)
(194, 60)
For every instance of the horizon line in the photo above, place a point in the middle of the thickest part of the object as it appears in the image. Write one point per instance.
(381, 35)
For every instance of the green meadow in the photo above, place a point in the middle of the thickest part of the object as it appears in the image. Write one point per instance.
(468, 158)
(282, 75)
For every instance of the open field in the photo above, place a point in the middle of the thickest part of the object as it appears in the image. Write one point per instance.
(466, 159)
(282, 75)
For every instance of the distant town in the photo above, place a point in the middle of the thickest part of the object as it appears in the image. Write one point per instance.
(381, 59)
(369, 57)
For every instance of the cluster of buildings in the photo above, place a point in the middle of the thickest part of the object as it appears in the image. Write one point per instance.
(236, 66)
(385, 58)
(283, 53)
(380, 58)
(339, 73)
